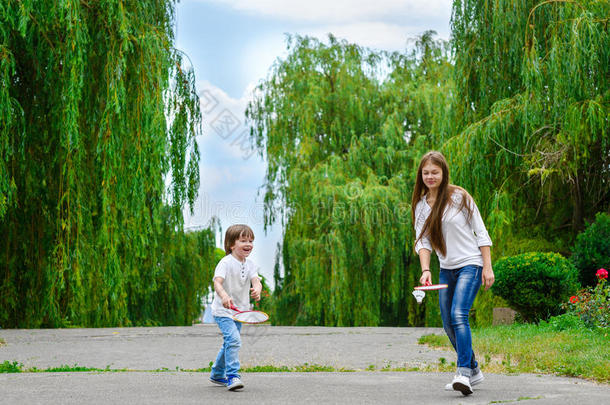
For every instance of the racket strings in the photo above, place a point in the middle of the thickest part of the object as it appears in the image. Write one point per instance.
(251, 317)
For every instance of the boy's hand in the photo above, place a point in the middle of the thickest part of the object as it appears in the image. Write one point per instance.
(227, 302)
(255, 293)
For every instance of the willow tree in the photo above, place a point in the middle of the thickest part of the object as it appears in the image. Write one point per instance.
(335, 122)
(532, 111)
(97, 113)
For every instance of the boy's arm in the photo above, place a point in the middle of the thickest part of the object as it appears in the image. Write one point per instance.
(257, 287)
(227, 302)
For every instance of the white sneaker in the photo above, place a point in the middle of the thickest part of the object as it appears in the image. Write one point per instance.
(474, 380)
(462, 383)
(477, 378)
(234, 383)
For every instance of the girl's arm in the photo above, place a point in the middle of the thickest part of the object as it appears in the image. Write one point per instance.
(423, 247)
(488, 273)
(424, 261)
(227, 302)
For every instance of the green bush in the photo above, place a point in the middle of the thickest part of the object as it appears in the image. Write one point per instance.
(535, 284)
(592, 249)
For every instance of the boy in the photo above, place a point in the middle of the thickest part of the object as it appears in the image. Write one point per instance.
(232, 279)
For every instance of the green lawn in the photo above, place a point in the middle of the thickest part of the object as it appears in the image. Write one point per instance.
(525, 348)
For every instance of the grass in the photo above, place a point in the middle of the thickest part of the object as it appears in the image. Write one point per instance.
(525, 348)
(15, 367)
(8, 367)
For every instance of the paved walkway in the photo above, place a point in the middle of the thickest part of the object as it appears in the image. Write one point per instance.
(149, 349)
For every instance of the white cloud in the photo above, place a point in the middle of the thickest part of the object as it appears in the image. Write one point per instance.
(219, 98)
(225, 131)
(340, 11)
(260, 54)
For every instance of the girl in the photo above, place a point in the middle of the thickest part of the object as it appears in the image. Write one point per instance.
(447, 220)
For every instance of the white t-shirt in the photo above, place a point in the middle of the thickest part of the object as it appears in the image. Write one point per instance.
(462, 239)
(237, 277)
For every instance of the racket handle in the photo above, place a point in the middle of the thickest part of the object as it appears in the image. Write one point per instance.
(234, 309)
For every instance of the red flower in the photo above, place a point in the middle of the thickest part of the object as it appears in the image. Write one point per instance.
(602, 273)
(573, 299)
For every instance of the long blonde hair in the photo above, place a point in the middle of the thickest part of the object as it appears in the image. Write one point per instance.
(433, 227)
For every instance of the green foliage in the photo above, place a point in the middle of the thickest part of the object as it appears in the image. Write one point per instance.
(341, 145)
(97, 113)
(532, 107)
(591, 305)
(71, 369)
(522, 117)
(8, 367)
(535, 284)
(592, 249)
(567, 321)
(265, 304)
(482, 309)
(433, 340)
(218, 255)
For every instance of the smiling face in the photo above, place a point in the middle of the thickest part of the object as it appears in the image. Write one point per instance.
(432, 175)
(242, 247)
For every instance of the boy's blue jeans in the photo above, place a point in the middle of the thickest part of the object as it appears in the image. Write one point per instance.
(455, 302)
(227, 361)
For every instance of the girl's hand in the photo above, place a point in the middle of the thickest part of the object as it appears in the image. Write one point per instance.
(488, 277)
(426, 278)
(227, 302)
(255, 293)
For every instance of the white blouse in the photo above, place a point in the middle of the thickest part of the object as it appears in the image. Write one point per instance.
(462, 238)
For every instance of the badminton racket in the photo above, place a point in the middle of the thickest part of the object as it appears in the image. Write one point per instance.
(250, 317)
(419, 293)
(431, 287)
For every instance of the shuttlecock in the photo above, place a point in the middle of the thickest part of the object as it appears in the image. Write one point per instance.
(419, 295)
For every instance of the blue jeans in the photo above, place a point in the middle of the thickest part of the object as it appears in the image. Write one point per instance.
(227, 361)
(455, 302)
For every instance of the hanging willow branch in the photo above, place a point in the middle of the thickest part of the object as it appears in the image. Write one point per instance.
(97, 110)
(341, 145)
(548, 62)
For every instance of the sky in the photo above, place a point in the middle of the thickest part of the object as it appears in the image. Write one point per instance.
(232, 45)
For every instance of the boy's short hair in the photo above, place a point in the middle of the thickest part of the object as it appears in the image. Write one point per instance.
(234, 232)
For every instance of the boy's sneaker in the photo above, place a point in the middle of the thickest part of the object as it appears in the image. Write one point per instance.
(234, 383)
(219, 381)
(476, 378)
(462, 383)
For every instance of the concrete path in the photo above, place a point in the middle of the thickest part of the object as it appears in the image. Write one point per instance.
(194, 347)
(146, 349)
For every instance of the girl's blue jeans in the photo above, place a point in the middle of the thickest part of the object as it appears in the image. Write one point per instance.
(455, 302)
(227, 361)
